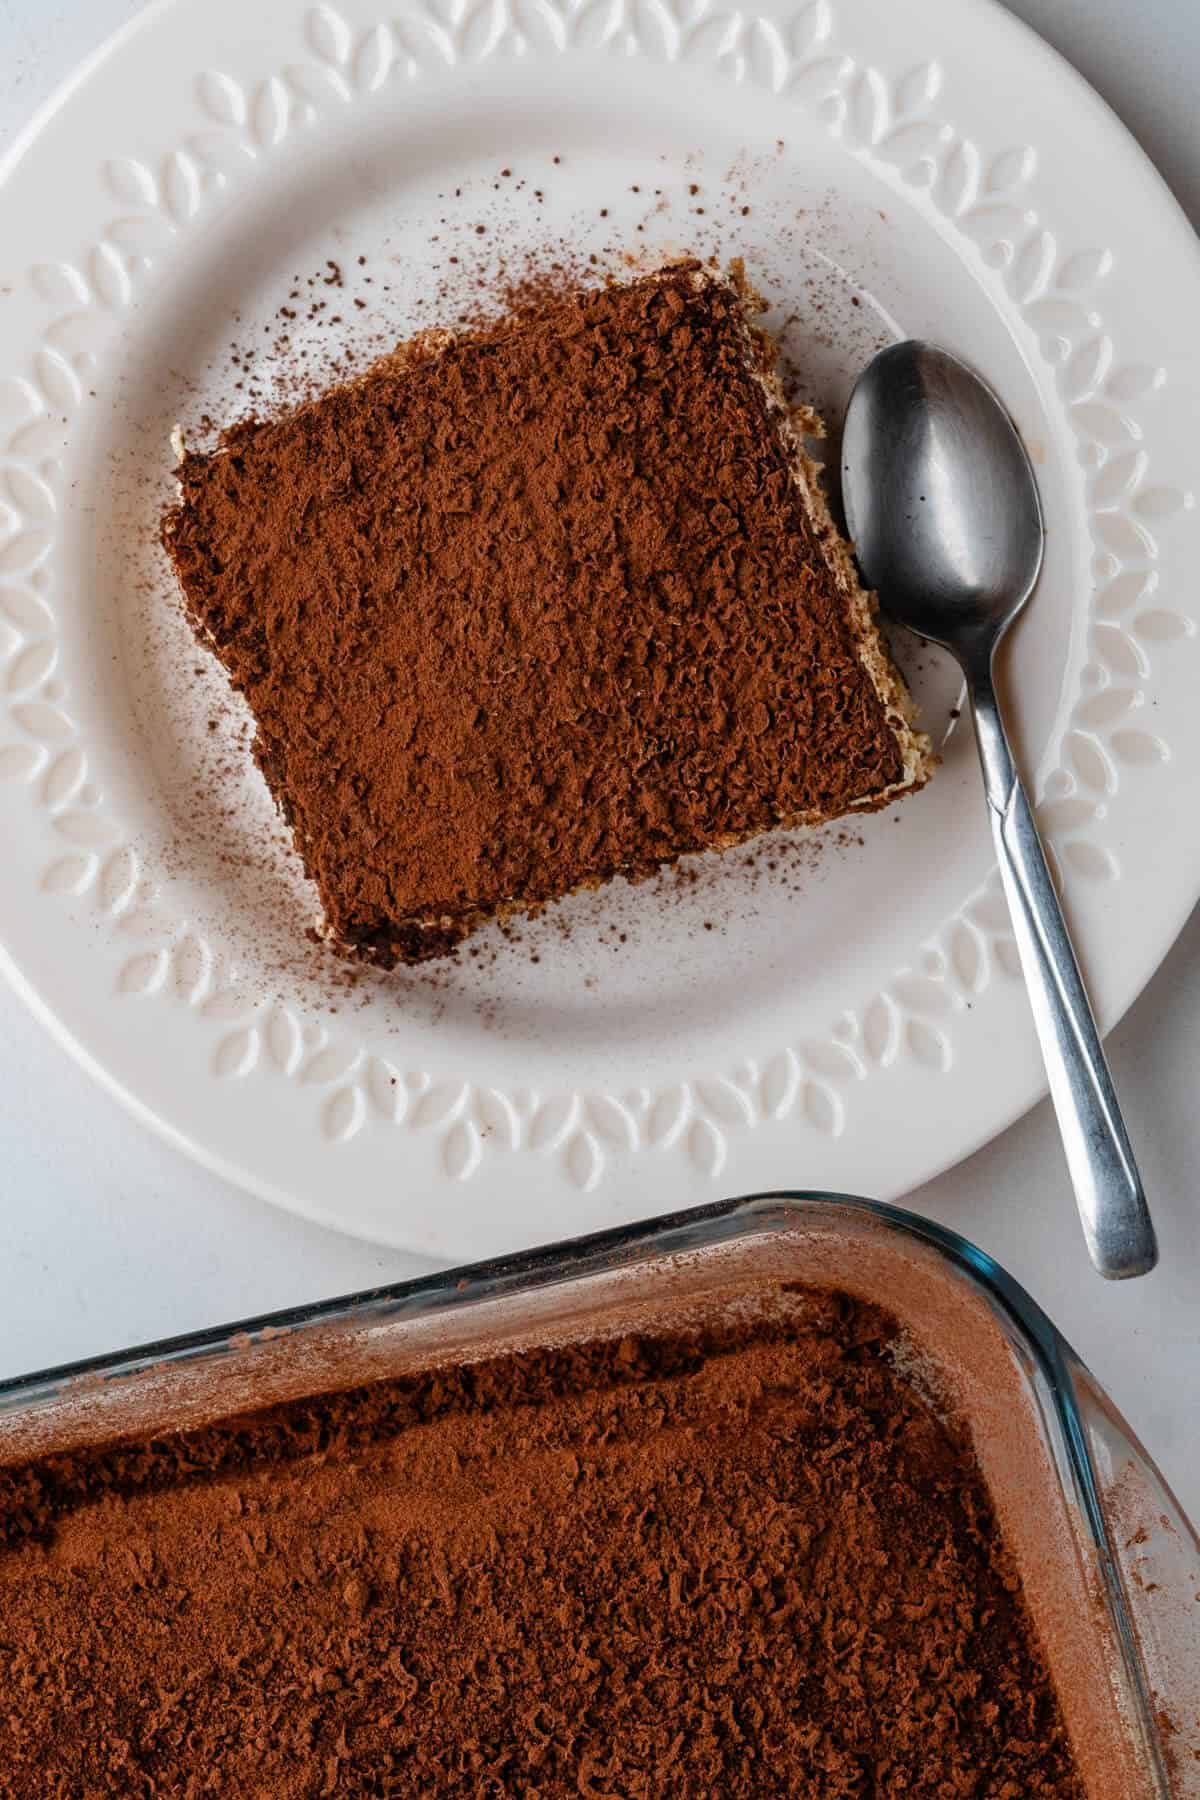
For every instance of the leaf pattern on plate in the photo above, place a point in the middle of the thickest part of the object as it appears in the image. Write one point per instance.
(236, 1054)
(584, 1161)
(343, 1113)
(333, 1063)
(706, 1147)
(553, 1121)
(144, 974)
(461, 1150)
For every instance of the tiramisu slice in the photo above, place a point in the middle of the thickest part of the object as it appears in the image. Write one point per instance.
(531, 607)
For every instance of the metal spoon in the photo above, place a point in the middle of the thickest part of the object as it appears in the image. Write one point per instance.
(947, 525)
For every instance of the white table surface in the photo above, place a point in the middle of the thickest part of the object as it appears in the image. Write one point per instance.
(108, 1237)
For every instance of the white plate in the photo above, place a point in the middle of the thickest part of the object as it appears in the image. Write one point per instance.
(852, 1018)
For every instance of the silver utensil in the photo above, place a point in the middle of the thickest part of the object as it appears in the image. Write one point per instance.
(944, 512)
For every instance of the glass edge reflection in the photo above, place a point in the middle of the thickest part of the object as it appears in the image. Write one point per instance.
(567, 1258)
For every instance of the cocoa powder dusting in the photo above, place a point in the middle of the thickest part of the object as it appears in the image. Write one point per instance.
(743, 1561)
(529, 608)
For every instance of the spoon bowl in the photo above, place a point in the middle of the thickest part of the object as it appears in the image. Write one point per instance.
(944, 511)
(940, 497)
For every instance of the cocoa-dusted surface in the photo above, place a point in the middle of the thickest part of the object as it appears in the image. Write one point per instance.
(745, 1563)
(536, 610)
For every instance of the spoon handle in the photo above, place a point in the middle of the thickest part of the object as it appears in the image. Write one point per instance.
(1108, 1189)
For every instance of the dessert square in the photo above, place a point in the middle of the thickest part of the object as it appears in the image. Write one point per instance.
(535, 606)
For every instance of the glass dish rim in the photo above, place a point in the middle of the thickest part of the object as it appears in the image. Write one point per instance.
(567, 1258)
(689, 1229)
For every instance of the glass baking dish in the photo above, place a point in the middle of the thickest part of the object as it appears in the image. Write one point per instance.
(1111, 1566)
